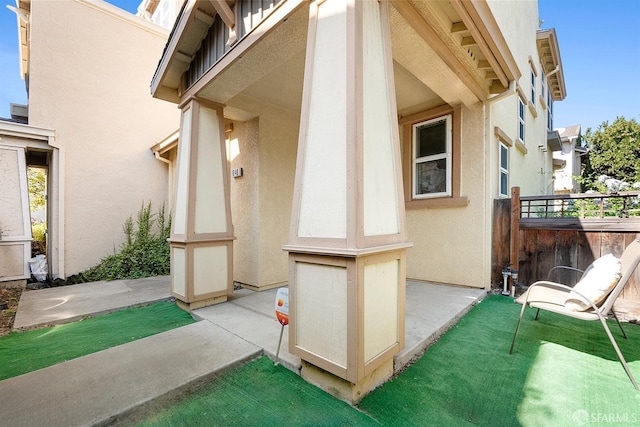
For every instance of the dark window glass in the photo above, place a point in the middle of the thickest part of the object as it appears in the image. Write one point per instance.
(432, 139)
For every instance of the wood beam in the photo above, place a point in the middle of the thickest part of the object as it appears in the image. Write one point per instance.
(429, 35)
(458, 27)
(225, 12)
(483, 38)
(468, 41)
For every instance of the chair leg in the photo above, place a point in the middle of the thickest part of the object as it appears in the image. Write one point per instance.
(619, 324)
(515, 334)
(620, 356)
(537, 313)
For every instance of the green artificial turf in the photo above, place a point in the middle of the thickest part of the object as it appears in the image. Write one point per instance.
(22, 352)
(563, 372)
(260, 394)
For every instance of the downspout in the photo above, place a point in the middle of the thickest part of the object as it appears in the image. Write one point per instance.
(169, 178)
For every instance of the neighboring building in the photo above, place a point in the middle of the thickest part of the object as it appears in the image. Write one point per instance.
(346, 132)
(160, 12)
(87, 66)
(569, 160)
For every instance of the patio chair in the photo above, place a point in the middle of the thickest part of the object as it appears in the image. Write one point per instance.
(558, 298)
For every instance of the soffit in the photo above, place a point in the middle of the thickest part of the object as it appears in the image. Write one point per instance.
(446, 66)
(463, 35)
(23, 17)
(271, 75)
(549, 53)
(190, 28)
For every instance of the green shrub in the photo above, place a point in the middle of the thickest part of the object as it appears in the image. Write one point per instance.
(39, 243)
(144, 253)
(39, 231)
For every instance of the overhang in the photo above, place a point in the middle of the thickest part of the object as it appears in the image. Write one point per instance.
(549, 53)
(23, 11)
(166, 144)
(554, 142)
(462, 36)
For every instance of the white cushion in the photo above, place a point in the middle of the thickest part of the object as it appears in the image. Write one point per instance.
(596, 284)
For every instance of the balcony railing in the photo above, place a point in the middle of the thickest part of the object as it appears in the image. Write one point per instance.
(581, 206)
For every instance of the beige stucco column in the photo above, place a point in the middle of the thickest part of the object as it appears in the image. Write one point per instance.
(202, 232)
(347, 242)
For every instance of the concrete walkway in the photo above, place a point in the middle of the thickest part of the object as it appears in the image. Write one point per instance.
(66, 304)
(118, 384)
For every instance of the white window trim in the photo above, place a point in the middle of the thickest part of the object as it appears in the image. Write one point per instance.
(447, 155)
(521, 120)
(503, 170)
(543, 87)
(533, 86)
(549, 111)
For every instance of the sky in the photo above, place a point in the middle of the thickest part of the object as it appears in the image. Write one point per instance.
(599, 45)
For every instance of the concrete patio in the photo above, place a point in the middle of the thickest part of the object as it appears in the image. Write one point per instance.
(118, 383)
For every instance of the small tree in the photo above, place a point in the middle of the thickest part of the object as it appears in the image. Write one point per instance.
(614, 151)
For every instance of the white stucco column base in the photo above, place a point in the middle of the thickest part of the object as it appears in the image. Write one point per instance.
(202, 232)
(347, 243)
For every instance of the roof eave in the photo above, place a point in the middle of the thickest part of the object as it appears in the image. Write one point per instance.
(190, 27)
(549, 52)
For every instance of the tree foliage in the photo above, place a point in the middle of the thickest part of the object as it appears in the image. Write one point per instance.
(36, 182)
(614, 151)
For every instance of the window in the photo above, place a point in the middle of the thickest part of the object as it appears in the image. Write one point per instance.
(549, 111)
(533, 87)
(543, 86)
(504, 170)
(432, 158)
(521, 119)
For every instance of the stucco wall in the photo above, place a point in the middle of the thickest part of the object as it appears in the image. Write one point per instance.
(89, 80)
(533, 171)
(261, 199)
(449, 243)
(243, 153)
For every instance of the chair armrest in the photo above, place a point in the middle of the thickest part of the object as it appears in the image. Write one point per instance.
(564, 267)
(559, 286)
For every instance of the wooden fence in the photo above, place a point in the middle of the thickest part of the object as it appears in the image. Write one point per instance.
(569, 230)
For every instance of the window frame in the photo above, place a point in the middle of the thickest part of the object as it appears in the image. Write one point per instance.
(543, 86)
(502, 171)
(406, 123)
(446, 155)
(533, 86)
(522, 119)
(549, 111)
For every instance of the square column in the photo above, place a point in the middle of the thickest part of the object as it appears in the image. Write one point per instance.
(347, 243)
(201, 230)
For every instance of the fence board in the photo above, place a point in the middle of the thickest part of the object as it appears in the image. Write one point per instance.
(501, 233)
(588, 249)
(528, 257)
(566, 253)
(632, 289)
